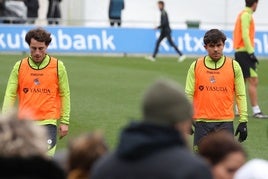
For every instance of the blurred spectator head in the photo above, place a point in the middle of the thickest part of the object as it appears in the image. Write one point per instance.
(223, 152)
(83, 152)
(166, 103)
(253, 169)
(21, 138)
(23, 150)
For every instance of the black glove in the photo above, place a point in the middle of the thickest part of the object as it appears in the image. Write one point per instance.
(253, 58)
(243, 131)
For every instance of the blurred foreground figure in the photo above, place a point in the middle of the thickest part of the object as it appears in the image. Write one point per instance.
(224, 153)
(23, 151)
(156, 147)
(83, 152)
(253, 169)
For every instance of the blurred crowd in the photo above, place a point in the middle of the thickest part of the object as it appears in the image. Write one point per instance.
(26, 11)
(154, 147)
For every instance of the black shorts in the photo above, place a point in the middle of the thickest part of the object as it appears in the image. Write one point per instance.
(246, 63)
(202, 129)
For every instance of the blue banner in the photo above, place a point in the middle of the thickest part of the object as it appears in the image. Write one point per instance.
(118, 40)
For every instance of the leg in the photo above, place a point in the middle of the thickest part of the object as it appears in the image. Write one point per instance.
(161, 37)
(200, 131)
(57, 13)
(170, 41)
(52, 139)
(111, 22)
(252, 90)
(251, 77)
(50, 11)
(253, 82)
(119, 21)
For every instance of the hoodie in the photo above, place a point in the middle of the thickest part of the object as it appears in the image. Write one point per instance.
(150, 151)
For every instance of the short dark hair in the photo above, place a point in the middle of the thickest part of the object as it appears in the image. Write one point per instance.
(249, 3)
(214, 36)
(161, 2)
(39, 34)
(218, 145)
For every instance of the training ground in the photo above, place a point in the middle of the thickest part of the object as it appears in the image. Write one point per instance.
(106, 93)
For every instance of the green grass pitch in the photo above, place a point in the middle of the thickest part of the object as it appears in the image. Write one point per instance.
(106, 94)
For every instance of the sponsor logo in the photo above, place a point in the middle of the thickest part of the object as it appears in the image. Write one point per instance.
(37, 90)
(216, 88)
(25, 90)
(36, 81)
(201, 87)
(213, 88)
(212, 79)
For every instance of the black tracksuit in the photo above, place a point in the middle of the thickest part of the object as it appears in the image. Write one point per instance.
(148, 151)
(165, 32)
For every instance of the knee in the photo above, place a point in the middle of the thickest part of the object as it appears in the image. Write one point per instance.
(254, 82)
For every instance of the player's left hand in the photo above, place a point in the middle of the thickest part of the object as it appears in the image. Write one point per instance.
(63, 130)
(242, 130)
(253, 58)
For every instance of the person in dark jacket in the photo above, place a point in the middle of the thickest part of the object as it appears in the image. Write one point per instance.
(34, 167)
(32, 10)
(2, 9)
(156, 147)
(54, 12)
(115, 11)
(165, 33)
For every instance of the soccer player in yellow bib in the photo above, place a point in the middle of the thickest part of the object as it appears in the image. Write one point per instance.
(41, 85)
(213, 82)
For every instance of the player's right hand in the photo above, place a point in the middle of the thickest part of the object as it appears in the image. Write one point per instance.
(63, 130)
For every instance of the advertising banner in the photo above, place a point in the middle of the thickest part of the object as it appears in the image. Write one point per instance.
(118, 40)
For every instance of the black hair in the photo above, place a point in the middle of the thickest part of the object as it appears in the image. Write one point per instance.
(249, 3)
(161, 2)
(214, 36)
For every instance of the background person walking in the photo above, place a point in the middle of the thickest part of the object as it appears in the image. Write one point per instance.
(165, 33)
